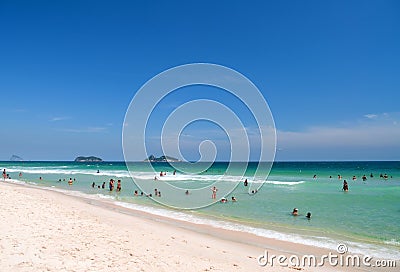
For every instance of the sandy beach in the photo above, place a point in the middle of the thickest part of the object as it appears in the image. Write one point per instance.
(42, 230)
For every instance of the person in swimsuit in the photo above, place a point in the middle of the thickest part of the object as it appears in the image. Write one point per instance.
(111, 185)
(345, 186)
(214, 192)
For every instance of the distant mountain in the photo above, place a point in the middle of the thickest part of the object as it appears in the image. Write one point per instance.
(152, 158)
(16, 158)
(88, 159)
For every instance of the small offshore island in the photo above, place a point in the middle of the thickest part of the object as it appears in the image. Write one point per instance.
(152, 158)
(88, 159)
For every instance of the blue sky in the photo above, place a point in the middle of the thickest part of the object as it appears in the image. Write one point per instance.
(329, 71)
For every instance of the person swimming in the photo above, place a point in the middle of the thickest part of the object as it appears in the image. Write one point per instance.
(295, 212)
(233, 199)
(364, 178)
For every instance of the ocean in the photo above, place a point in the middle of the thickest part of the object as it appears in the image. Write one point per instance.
(366, 218)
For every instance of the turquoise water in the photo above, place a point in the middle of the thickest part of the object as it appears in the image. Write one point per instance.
(367, 217)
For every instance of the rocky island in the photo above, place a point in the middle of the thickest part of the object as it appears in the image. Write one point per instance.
(152, 158)
(16, 158)
(88, 159)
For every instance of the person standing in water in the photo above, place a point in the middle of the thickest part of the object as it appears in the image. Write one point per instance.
(4, 174)
(111, 185)
(214, 192)
(119, 187)
(345, 186)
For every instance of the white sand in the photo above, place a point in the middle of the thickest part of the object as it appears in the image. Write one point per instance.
(41, 230)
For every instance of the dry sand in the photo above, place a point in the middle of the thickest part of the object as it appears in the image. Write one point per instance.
(42, 230)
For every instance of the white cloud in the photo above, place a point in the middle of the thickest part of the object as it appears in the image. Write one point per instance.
(59, 118)
(371, 116)
(375, 138)
(19, 110)
(85, 130)
(372, 136)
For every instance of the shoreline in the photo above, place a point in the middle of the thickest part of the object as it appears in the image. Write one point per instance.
(245, 247)
(203, 222)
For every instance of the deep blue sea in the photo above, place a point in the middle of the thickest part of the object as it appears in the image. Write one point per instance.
(366, 218)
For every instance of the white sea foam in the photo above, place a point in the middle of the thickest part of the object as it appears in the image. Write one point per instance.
(183, 178)
(57, 171)
(290, 183)
(392, 242)
(357, 248)
(208, 178)
(15, 181)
